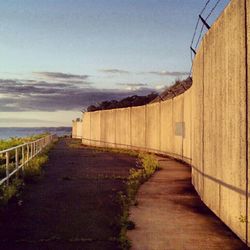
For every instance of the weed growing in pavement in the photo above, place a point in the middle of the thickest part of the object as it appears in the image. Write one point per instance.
(243, 219)
(147, 164)
(74, 143)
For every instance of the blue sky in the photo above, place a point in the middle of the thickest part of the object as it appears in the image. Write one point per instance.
(58, 56)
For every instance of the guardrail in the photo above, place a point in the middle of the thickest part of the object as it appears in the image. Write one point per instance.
(17, 157)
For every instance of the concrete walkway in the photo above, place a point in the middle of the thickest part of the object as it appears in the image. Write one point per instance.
(73, 206)
(171, 216)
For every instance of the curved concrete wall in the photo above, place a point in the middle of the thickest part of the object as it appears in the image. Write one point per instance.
(77, 129)
(220, 87)
(207, 126)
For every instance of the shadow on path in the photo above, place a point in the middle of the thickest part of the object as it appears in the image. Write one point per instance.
(171, 216)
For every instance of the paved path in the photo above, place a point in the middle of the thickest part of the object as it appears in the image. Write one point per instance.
(171, 216)
(73, 206)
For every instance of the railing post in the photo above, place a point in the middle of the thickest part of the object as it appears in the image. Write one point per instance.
(28, 152)
(16, 160)
(31, 150)
(23, 159)
(7, 167)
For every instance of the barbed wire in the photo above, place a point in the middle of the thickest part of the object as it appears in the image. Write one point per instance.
(212, 10)
(198, 20)
(193, 49)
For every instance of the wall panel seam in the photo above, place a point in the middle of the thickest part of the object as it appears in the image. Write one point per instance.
(246, 66)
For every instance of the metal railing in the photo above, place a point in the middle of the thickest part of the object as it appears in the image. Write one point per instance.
(17, 157)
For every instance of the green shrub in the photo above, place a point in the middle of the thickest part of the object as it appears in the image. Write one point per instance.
(33, 168)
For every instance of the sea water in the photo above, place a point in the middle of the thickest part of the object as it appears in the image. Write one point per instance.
(6, 133)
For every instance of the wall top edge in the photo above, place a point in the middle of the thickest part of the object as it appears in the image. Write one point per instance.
(143, 106)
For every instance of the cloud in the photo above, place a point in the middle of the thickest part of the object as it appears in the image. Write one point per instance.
(160, 87)
(169, 73)
(133, 84)
(114, 71)
(60, 76)
(45, 84)
(19, 95)
(22, 120)
(67, 84)
(19, 87)
(24, 87)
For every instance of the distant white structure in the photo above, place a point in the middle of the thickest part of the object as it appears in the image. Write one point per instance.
(77, 128)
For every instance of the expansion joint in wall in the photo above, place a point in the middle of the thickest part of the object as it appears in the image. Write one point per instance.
(246, 89)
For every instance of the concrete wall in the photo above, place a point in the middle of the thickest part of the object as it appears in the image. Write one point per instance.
(77, 129)
(219, 117)
(86, 133)
(207, 126)
(73, 129)
(123, 128)
(153, 126)
(95, 133)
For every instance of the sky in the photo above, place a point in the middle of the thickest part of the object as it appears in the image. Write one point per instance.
(59, 56)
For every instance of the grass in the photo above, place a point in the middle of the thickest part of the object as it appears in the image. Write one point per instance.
(15, 141)
(30, 171)
(78, 144)
(75, 143)
(116, 150)
(7, 192)
(147, 165)
(34, 167)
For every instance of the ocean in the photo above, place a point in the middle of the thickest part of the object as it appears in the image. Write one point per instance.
(6, 133)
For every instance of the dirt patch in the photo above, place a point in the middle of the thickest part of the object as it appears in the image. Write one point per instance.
(73, 206)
